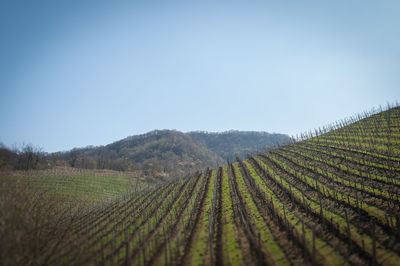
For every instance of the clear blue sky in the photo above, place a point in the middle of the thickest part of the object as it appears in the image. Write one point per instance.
(77, 73)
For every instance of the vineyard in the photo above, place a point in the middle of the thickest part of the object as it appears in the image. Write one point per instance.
(331, 197)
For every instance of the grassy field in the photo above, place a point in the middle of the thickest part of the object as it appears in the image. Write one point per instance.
(331, 198)
(82, 185)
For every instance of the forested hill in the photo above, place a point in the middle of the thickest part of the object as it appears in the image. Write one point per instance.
(166, 153)
(160, 153)
(172, 148)
(229, 143)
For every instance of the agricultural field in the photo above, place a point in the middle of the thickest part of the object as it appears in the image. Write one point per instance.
(331, 197)
(82, 185)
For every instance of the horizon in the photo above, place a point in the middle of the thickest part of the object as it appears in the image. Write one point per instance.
(81, 74)
(372, 111)
(16, 146)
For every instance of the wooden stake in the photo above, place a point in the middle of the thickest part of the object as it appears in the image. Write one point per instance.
(348, 228)
(373, 244)
(313, 244)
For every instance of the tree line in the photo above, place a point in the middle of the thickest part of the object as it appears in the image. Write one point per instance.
(22, 158)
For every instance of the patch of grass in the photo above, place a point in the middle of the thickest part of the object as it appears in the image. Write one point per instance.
(269, 246)
(200, 247)
(230, 245)
(85, 186)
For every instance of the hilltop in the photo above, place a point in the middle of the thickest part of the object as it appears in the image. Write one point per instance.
(228, 144)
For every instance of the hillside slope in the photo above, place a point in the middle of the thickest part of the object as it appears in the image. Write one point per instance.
(86, 186)
(330, 199)
(159, 154)
(229, 143)
(172, 149)
(170, 153)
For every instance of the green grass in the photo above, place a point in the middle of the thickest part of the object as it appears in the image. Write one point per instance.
(371, 210)
(200, 246)
(336, 177)
(232, 253)
(361, 239)
(84, 186)
(325, 254)
(275, 255)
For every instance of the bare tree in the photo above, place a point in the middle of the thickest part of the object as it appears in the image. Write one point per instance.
(29, 157)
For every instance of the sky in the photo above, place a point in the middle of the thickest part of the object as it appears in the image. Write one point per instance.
(78, 73)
